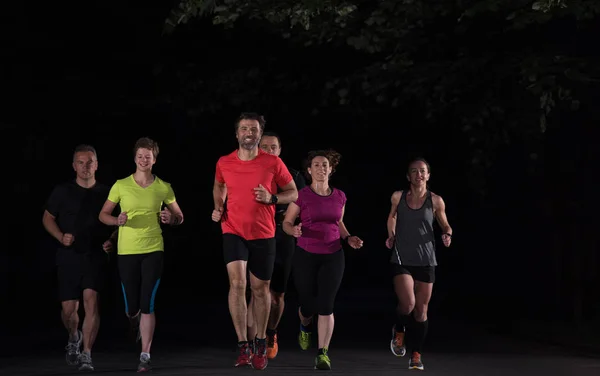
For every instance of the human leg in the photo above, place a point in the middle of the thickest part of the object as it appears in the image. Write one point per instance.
(260, 264)
(329, 277)
(69, 275)
(423, 290)
(305, 281)
(235, 253)
(404, 290)
(151, 272)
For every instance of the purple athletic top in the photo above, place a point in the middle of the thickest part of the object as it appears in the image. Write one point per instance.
(319, 216)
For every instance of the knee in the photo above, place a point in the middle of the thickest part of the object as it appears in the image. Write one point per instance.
(238, 285)
(305, 312)
(69, 310)
(133, 314)
(420, 313)
(260, 289)
(90, 305)
(405, 308)
(277, 298)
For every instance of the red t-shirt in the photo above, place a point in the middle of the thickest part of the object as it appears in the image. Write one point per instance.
(245, 216)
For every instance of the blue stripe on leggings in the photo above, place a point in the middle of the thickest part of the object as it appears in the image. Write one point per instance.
(125, 297)
(154, 295)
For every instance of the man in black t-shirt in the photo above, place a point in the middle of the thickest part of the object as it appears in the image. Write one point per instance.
(71, 217)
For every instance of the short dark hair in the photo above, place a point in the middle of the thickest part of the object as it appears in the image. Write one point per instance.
(146, 143)
(272, 134)
(82, 148)
(251, 116)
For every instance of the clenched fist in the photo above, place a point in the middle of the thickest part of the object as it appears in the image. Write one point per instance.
(107, 246)
(262, 194)
(297, 231)
(165, 216)
(67, 239)
(389, 242)
(217, 214)
(122, 219)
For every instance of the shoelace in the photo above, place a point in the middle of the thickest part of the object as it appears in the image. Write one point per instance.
(85, 358)
(261, 348)
(399, 339)
(416, 357)
(245, 350)
(72, 347)
(271, 340)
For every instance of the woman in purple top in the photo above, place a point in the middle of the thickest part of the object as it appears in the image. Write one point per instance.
(319, 261)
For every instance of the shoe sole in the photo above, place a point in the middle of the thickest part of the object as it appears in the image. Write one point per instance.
(393, 352)
(74, 363)
(273, 356)
(258, 369)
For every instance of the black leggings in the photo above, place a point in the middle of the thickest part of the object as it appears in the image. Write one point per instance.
(317, 278)
(140, 276)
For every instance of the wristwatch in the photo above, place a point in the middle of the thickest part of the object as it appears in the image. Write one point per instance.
(274, 199)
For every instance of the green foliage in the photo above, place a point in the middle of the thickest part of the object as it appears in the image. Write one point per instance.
(489, 65)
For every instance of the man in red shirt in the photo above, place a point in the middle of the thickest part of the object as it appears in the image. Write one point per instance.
(248, 178)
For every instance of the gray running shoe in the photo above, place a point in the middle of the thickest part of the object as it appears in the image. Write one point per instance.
(144, 365)
(85, 362)
(72, 348)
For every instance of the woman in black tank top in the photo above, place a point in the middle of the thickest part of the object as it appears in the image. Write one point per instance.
(413, 261)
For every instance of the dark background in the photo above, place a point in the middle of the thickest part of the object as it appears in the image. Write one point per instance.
(525, 228)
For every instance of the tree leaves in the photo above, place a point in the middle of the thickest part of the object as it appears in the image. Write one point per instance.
(497, 68)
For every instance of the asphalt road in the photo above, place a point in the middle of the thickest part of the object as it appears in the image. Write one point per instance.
(199, 340)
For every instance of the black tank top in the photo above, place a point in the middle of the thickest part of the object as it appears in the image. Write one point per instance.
(415, 241)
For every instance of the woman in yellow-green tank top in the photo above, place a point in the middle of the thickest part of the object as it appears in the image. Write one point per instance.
(140, 245)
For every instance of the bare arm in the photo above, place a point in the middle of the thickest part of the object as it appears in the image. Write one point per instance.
(440, 215)
(291, 214)
(114, 236)
(344, 233)
(391, 221)
(219, 194)
(106, 216)
(49, 222)
(288, 194)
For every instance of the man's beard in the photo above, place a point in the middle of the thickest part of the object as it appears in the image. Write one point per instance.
(249, 145)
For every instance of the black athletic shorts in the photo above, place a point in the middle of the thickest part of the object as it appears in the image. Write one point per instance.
(419, 273)
(260, 254)
(79, 271)
(285, 245)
